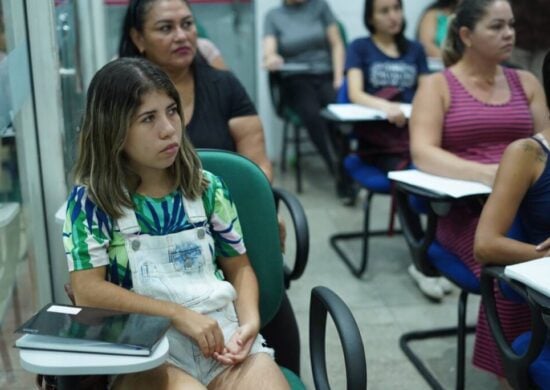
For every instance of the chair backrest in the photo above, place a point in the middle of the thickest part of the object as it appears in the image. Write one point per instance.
(342, 94)
(253, 197)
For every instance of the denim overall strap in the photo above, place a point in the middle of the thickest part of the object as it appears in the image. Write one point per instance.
(128, 223)
(194, 208)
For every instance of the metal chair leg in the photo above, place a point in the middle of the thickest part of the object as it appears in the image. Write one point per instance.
(298, 156)
(460, 331)
(364, 234)
(284, 146)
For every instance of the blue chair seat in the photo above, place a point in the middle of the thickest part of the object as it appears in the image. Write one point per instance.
(368, 176)
(450, 266)
(539, 370)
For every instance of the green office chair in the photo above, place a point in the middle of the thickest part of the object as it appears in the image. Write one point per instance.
(253, 197)
(255, 202)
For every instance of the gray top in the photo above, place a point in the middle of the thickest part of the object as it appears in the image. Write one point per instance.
(301, 33)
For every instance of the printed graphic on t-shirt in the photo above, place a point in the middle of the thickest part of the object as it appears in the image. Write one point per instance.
(394, 74)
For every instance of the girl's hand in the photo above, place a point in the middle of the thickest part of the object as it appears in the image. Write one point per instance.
(544, 247)
(395, 115)
(204, 330)
(238, 347)
(273, 62)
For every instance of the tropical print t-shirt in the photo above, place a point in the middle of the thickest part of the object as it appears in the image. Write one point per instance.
(92, 239)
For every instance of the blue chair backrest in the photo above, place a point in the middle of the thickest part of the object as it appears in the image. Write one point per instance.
(342, 95)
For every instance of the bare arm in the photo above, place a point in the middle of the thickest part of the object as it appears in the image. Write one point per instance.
(248, 134)
(240, 274)
(517, 172)
(272, 59)
(426, 124)
(537, 100)
(338, 53)
(426, 34)
(357, 95)
(91, 289)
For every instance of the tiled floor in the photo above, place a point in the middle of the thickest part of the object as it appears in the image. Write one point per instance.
(385, 302)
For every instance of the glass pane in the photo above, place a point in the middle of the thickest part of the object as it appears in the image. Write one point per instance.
(229, 24)
(18, 299)
(73, 96)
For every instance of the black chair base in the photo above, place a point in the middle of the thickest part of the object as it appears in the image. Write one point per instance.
(459, 331)
(357, 270)
(365, 234)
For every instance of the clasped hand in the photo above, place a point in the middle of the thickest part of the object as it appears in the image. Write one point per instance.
(206, 332)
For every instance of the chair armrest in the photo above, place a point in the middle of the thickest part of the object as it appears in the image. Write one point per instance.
(323, 301)
(301, 233)
(515, 365)
(418, 238)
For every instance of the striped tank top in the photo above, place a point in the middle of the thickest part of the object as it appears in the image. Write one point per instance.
(479, 131)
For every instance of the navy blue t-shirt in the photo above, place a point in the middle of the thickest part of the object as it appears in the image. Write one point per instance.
(380, 70)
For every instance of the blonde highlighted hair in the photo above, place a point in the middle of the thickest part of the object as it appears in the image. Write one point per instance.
(113, 98)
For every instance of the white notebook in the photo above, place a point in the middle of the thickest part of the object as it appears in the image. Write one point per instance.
(438, 184)
(53, 343)
(534, 273)
(355, 112)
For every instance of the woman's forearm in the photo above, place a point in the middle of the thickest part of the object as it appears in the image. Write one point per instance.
(239, 272)
(438, 161)
(247, 304)
(501, 250)
(91, 291)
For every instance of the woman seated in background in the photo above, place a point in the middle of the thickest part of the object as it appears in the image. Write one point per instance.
(305, 32)
(522, 188)
(433, 24)
(382, 71)
(463, 119)
(218, 113)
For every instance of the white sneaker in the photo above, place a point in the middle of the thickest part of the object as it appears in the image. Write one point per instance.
(428, 285)
(445, 284)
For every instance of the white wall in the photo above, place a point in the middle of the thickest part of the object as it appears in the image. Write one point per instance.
(350, 12)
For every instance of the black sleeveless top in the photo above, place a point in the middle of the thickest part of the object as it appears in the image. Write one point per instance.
(534, 209)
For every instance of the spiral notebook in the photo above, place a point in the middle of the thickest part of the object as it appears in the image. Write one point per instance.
(85, 329)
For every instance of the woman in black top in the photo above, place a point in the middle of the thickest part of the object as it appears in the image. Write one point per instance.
(217, 110)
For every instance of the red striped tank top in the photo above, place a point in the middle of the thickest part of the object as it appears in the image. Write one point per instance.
(480, 132)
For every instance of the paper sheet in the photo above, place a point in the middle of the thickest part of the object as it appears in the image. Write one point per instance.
(438, 184)
(359, 112)
(534, 273)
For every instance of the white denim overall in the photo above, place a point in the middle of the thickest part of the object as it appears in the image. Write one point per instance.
(179, 267)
